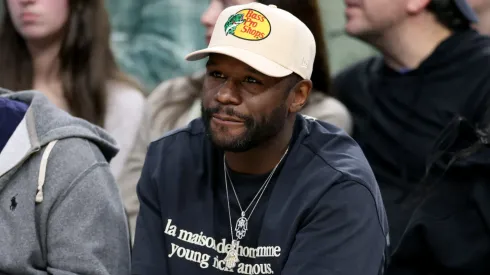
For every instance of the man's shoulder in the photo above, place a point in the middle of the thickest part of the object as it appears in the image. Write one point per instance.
(340, 159)
(338, 154)
(331, 159)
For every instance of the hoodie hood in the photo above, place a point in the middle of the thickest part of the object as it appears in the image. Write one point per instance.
(462, 47)
(44, 123)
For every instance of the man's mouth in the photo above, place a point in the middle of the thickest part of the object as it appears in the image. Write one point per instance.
(228, 120)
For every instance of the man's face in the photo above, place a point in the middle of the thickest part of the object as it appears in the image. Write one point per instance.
(242, 108)
(210, 16)
(370, 18)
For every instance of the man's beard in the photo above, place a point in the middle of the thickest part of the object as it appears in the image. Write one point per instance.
(256, 131)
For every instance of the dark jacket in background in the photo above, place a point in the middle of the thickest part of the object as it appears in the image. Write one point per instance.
(398, 116)
(449, 232)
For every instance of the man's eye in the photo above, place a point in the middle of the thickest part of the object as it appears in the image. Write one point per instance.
(217, 74)
(252, 80)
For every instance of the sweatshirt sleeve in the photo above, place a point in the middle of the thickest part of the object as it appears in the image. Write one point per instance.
(149, 247)
(87, 227)
(341, 236)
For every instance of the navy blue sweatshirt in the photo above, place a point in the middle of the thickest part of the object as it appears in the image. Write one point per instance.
(11, 114)
(321, 214)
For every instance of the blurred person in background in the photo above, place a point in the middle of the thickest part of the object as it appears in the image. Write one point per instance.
(61, 210)
(482, 8)
(434, 69)
(449, 232)
(61, 48)
(145, 47)
(150, 38)
(176, 102)
(343, 49)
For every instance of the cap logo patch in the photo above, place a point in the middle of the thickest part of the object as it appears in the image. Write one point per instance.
(248, 24)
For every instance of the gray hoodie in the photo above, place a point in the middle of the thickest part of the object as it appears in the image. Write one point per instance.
(60, 208)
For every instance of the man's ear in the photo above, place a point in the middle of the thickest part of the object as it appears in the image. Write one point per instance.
(299, 94)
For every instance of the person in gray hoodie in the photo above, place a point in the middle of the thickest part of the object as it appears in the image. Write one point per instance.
(60, 208)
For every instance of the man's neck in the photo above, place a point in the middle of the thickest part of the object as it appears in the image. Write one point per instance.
(263, 158)
(408, 46)
(45, 61)
(483, 25)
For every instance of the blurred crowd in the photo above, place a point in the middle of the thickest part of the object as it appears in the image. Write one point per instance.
(408, 80)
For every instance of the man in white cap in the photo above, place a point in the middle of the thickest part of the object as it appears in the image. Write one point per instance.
(253, 187)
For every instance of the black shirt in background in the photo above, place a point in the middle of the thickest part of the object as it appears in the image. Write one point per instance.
(399, 116)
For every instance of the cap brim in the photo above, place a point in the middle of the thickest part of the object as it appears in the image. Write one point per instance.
(254, 60)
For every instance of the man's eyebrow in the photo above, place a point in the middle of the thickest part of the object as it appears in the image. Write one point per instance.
(249, 69)
(252, 70)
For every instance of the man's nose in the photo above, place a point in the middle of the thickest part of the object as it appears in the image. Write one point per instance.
(228, 93)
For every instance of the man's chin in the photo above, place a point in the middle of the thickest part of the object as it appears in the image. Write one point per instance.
(231, 138)
(230, 144)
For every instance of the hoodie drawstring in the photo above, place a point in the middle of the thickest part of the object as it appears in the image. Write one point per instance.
(42, 171)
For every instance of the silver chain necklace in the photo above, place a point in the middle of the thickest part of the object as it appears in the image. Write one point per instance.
(241, 226)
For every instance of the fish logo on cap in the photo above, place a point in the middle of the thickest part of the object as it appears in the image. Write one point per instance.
(248, 24)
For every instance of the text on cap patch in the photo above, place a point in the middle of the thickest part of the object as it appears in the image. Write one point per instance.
(248, 24)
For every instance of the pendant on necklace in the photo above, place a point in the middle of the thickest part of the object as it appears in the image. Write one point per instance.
(241, 226)
(231, 258)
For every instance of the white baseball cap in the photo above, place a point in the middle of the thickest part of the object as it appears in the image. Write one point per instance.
(268, 39)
